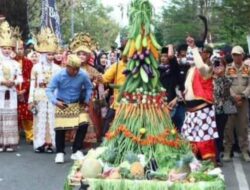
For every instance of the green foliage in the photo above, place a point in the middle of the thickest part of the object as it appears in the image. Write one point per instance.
(131, 157)
(227, 21)
(15, 12)
(232, 22)
(109, 155)
(89, 16)
(178, 19)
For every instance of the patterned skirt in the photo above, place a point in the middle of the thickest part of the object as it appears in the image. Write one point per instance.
(8, 126)
(200, 125)
(71, 117)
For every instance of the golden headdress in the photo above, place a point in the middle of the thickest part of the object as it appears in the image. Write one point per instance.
(60, 49)
(7, 35)
(82, 42)
(18, 36)
(47, 41)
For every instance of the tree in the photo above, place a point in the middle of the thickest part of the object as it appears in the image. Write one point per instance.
(15, 13)
(227, 21)
(89, 16)
(180, 18)
(232, 21)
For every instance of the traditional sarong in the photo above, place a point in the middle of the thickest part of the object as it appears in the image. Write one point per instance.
(44, 122)
(200, 125)
(70, 117)
(8, 126)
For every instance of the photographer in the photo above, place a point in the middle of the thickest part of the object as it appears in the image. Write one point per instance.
(224, 103)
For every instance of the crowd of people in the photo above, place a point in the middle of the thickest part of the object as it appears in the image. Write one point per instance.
(57, 94)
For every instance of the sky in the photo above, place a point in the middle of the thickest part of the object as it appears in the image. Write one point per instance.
(116, 13)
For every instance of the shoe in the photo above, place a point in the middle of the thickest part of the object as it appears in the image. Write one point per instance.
(245, 156)
(9, 149)
(78, 155)
(1, 149)
(49, 150)
(40, 149)
(226, 157)
(59, 159)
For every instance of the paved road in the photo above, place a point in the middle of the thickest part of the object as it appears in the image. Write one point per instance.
(25, 170)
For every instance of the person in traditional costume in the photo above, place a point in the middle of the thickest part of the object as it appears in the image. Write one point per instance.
(43, 110)
(58, 59)
(74, 91)
(199, 126)
(33, 57)
(25, 118)
(82, 45)
(10, 77)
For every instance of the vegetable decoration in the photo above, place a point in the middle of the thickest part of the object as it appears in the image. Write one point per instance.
(142, 50)
(142, 145)
(142, 124)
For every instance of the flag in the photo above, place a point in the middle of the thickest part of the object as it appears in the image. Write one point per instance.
(51, 18)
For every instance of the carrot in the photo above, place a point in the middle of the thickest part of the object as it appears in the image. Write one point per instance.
(155, 52)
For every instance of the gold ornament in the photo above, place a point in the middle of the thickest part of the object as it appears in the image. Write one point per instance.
(60, 50)
(82, 42)
(6, 73)
(47, 41)
(7, 35)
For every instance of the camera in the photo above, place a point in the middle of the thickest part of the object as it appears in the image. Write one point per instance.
(216, 63)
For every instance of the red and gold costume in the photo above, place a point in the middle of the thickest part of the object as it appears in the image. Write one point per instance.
(199, 127)
(25, 118)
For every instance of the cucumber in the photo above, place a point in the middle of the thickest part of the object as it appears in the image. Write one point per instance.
(138, 42)
(153, 61)
(144, 75)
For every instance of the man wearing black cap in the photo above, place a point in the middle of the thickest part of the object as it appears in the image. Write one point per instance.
(169, 71)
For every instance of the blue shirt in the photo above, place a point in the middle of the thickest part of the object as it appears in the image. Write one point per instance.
(69, 89)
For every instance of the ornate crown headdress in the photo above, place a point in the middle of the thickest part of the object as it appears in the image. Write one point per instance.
(7, 35)
(18, 35)
(46, 41)
(82, 42)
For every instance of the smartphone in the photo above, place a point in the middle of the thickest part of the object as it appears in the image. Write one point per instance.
(66, 105)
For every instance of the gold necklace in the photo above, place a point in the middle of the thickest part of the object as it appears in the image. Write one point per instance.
(47, 73)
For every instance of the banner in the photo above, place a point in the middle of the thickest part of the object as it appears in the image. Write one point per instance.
(50, 17)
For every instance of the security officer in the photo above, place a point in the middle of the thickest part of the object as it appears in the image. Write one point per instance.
(239, 73)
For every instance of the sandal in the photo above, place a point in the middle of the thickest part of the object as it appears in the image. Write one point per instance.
(49, 150)
(39, 149)
(9, 149)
